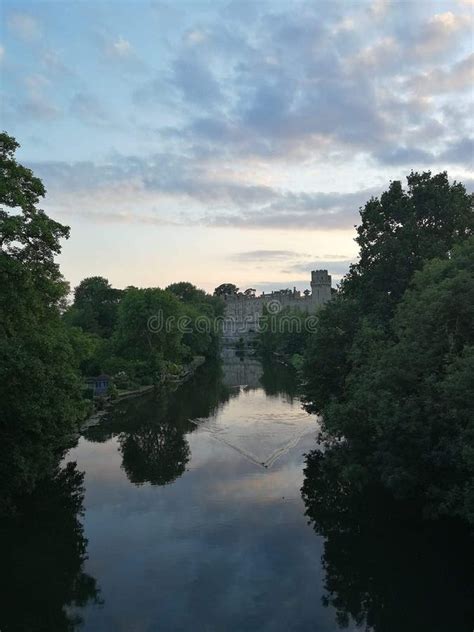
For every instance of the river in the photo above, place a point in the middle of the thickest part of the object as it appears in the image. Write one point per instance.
(193, 510)
(182, 511)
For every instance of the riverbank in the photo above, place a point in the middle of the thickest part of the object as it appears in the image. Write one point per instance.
(101, 405)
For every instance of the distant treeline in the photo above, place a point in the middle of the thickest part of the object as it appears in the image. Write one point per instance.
(390, 365)
(135, 334)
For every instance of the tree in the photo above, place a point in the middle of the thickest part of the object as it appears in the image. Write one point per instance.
(400, 231)
(187, 292)
(156, 453)
(226, 289)
(390, 365)
(379, 553)
(327, 352)
(147, 329)
(43, 553)
(95, 306)
(407, 400)
(39, 383)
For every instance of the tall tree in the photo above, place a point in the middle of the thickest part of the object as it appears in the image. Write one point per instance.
(39, 384)
(95, 306)
(147, 330)
(401, 230)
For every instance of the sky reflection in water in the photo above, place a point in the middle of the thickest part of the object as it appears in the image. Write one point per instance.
(219, 541)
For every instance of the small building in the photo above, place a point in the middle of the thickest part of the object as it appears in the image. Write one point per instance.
(99, 384)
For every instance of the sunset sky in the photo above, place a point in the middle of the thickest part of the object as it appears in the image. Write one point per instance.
(230, 141)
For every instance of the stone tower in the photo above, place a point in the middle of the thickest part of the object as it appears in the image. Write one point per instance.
(320, 286)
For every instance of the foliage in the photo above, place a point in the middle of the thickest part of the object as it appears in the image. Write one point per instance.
(40, 388)
(327, 352)
(378, 552)
(151, 431)
(45, 540)
(187, 292)
(284, 333)
(390, 365)
(226, 289)
(408, 394)
(95, 307)
(162, 326)
(402, 230)
(201, 311)
(147, 331)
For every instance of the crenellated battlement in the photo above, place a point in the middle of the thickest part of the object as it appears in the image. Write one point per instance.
(243, 311)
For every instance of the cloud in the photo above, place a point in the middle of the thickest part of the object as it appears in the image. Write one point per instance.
(2, 53)
(458, 77)
(335, 267)
(195, 81)
(120, 49)
(24, 26)
(442, 32)
(295, 262)
(35, 102)
(411, 156)
(253, 256)
(460, 152)
(298, 211)
(89, 110)
(120, 53)
(53, 63)
(286, 86)
(179, 180)
(384, 53)
(123, 217)
(195, 37)
(260, 112)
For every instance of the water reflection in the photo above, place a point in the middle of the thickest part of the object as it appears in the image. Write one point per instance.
(277, 379)
(241, 370)
(226, 545)
(249, 372)
(217, 539)
(151, 430)
(42, 554)
(386, 568)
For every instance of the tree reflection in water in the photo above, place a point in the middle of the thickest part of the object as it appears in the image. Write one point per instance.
(278, 380)
(151, 430)
(386, 568)
(42, 552)
(155, 453)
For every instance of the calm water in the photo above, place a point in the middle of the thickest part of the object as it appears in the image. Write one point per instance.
(183, 512)
(194, 516)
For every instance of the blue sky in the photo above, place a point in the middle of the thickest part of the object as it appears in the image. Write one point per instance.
(230, 141)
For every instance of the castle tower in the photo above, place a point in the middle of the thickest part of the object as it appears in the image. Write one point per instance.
(320, 286)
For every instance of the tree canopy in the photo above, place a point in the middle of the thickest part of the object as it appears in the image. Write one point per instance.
(39, 380)
(390, 364)
(95, 306)
(226, 289)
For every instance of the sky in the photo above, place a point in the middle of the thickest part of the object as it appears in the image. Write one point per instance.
(230, 141)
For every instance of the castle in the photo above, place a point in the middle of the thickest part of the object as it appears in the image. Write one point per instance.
(243, 310)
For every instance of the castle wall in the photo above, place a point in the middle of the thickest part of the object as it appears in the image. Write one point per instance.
(242, 313)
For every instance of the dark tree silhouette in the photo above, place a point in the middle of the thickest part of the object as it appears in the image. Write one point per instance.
(152, 430)
(386, 567)
(42, 554)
